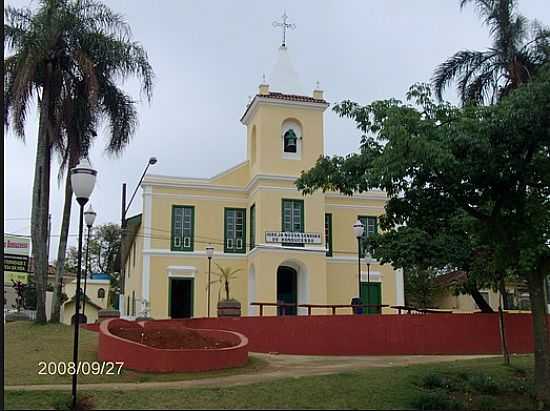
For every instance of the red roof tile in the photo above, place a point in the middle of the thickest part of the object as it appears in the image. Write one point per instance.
(288, 97)
(292, 97)
(453, 278)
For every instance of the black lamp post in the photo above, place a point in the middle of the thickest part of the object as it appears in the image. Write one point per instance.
(83, 178)
(209, 254)
(125, 208)
(89, 218)
(358, 230)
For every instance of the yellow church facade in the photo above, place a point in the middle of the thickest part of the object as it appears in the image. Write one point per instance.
(288, 247)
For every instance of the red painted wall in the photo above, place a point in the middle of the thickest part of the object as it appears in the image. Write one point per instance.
(148, 359)
(377, 334)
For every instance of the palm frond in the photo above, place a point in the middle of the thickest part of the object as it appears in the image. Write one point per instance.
(463, 62)
(120, 112)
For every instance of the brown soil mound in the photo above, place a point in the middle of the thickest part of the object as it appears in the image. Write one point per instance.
(172, 337)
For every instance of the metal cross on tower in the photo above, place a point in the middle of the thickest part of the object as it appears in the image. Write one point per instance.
(284, 25)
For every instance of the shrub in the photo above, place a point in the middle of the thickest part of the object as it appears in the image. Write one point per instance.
(487, 403)
(432, 381)
(483, 384)
(435, 401)
(84, 403)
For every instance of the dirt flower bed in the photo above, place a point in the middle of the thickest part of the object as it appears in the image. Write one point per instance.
(172, 337)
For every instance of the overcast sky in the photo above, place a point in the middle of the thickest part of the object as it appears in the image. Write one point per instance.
(209, 57)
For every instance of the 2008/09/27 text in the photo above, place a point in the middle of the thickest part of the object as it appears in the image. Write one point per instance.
(82, 368)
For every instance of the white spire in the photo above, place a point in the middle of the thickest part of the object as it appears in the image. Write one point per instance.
(284, 78)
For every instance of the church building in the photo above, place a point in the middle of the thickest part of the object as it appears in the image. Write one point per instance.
(287, 247)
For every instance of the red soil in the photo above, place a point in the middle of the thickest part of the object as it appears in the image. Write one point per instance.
(171, 337)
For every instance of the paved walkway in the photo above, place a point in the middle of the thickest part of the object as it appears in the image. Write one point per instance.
(279, 366)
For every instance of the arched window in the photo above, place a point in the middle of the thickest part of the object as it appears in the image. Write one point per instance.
(101, 293)
(291, 141)
(291, 136)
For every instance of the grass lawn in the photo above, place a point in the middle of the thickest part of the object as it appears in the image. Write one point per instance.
(26, 344)
(473, 384)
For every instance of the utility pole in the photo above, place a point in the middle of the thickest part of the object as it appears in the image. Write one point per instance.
(122, 301)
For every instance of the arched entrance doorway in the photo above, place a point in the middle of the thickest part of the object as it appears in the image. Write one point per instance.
(287, 289)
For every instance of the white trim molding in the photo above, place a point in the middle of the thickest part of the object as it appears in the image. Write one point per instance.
(399, 287)
(147, 224)
(351, 258)
(182, 271)
(252, 107)
(161, 252)
(373, 276)
(284, 249)
(194, 197)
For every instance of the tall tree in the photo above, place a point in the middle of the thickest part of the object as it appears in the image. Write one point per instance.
(81, 122)
(58, 45)
(103, 249)
(480, 171)
(519, 49)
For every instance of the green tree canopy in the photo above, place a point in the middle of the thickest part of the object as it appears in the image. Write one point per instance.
(468, 187)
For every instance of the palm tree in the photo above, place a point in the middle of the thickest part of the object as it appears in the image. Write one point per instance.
(80, 124)
(519, 49)
(225, 275)
(59, 45)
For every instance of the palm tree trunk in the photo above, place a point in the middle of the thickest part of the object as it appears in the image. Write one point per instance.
(535, 283)
(40, 209)
(62, 250)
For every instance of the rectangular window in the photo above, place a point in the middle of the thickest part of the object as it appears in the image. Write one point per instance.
(293, 218)
(235, 230)
(371, 227)
(253, 226)
(183, 227)
(328, 234)
(134, 255)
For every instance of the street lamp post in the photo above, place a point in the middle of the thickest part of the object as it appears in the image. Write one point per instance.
(209, 254)
(358, 230)
(89, 218)
(83, 178)
(125, 208)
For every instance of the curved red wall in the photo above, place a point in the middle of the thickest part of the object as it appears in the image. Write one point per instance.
(377, 334)
(141, 357)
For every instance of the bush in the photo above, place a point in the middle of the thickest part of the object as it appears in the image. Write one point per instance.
(487, 403)
(435, 401)
(483, 384)
(84, 403)
(432, 381)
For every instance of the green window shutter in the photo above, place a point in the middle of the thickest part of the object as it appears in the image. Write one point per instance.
(328, 234)
(235, 230)
(253, 226)
(293, 217)
(183, 228)
(371, 227)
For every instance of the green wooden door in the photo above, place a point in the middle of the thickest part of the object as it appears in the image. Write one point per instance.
(371, 293)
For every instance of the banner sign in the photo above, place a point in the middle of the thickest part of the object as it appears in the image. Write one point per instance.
(18, 245)
(290, 237)
(16, 263)
(10, 275)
